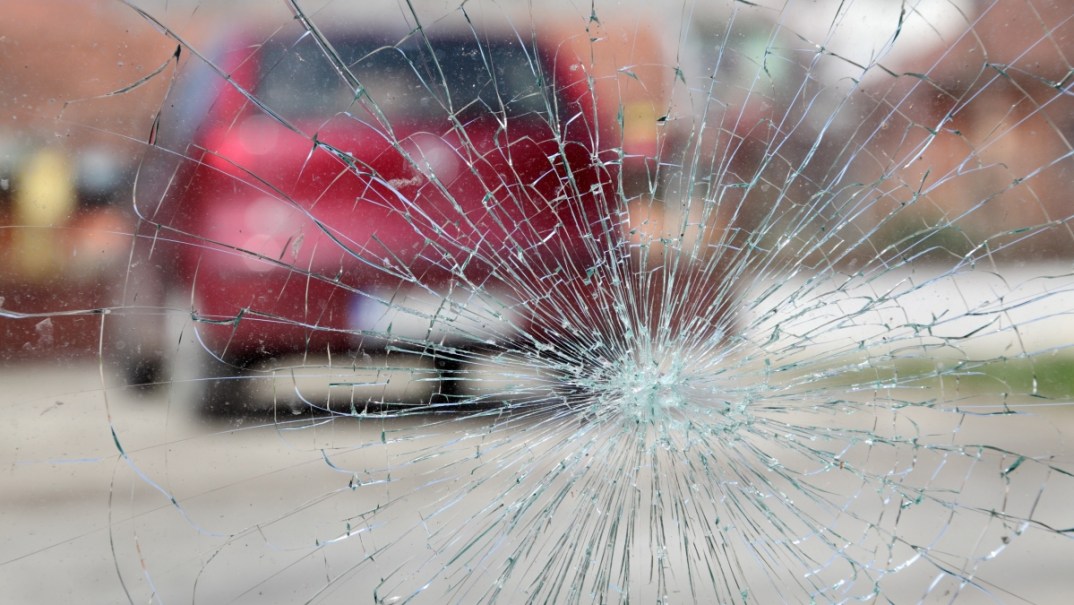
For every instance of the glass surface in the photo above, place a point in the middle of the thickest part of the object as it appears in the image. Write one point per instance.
(537, 302)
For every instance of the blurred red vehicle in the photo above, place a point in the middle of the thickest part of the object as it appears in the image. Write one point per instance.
(315, 196)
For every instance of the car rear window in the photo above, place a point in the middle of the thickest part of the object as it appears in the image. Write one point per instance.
(417, 80)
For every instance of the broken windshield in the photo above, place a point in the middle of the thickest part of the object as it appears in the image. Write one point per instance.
(526, 302)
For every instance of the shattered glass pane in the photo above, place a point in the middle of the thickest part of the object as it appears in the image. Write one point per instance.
(476, 302)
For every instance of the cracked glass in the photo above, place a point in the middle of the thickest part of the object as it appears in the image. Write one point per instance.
(434, 301)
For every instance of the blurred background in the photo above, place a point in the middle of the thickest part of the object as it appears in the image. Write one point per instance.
(84, 82)
(931, 193)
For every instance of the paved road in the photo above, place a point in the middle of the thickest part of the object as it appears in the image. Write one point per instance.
(80, 523)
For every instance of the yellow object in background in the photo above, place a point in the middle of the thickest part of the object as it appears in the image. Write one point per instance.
(44, 200)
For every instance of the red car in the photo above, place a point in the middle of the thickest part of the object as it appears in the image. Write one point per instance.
(424, 193)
